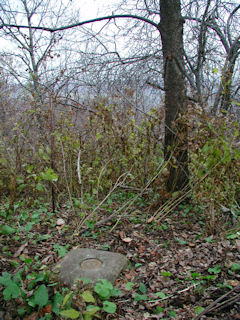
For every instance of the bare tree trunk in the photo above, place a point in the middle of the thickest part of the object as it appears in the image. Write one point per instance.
(176, 145)
(227, 88)
(224, 94)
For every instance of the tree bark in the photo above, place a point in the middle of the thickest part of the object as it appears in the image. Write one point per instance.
(176, 142)
(224, 93)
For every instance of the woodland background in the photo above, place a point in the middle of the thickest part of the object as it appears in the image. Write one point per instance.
(136, 109)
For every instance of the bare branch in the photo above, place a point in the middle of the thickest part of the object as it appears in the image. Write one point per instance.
(78, 24)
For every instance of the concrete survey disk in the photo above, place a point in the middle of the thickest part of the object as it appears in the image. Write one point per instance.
(91, 264)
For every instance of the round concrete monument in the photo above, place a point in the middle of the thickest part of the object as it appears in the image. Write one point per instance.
(90, 264)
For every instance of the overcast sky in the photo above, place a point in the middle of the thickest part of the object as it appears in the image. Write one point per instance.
(93, 8)
(88, 9)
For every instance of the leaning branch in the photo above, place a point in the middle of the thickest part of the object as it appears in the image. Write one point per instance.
(78, 24)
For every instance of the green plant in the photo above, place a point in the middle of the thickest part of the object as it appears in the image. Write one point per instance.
(180, 241)
(36, 294)
(198, 310)
(105, 289)
(7, 230)
(40, 297)
(142, 296)
(233, 234)
(215, 270)
(12, 286)
(166, 274)
(61, 250)
(129, 286)
(209, 239)
(215, 158)
(235, 267)
(172, 314)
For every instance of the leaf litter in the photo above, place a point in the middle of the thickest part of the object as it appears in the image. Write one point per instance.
(176, 270)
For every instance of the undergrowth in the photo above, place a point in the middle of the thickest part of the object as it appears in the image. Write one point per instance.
(46, 154)
(106, 176)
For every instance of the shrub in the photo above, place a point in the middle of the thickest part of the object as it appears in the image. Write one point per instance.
(215, 163)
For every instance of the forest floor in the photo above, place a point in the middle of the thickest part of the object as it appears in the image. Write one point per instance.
(176, 270)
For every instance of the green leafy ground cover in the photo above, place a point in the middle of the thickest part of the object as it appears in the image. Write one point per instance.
(176, 268)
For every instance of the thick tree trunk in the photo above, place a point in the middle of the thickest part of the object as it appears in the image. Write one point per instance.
(176, 143)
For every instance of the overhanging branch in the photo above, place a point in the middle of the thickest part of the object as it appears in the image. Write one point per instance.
(78, 24)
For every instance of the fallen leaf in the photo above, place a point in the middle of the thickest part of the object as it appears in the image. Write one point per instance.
(142, 249)
(48, 309)
(150, 219)
(192, 245)
(238, 245)
(44, 310)
(131, 274)
(32, 316)
(59, 227)
(127, 240)
(122, 235)
(45, 260)
(20, 250)
(60, 222)
(233, 283)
